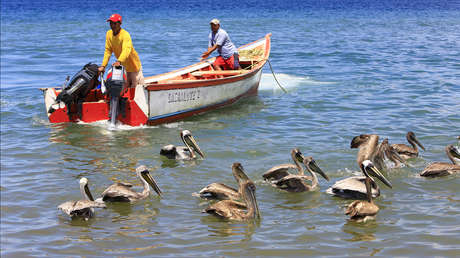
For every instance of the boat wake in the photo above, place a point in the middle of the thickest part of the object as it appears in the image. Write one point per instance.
(268, 82)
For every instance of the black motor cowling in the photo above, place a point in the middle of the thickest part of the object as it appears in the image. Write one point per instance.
(80, 84)
(78, 87)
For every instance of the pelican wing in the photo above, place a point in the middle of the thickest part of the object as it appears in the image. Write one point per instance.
(291, 183)
(403, 149)
(438, 169)
(278, 172)
(361, 208)
(226, 209)
(119, 192)
(353, 187)
(79, 208)
(219, 191)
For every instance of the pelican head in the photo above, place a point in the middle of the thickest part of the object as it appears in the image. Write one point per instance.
(144, 174)
(454, 151)
(297, 155)
(370, 170)
(411, 138)
(85, 189)
(358, 140)
(310, 163)
(239, 174)
(190, 142)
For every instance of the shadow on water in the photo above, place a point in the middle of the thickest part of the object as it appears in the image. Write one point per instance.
(218, 227)
(360, 231)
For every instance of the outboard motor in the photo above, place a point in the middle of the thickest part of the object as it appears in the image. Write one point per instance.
(115, 83)
(75, 90)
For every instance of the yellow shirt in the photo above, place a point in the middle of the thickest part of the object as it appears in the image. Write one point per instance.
(122, 46)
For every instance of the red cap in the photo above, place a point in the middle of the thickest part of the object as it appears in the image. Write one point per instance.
(115, 18)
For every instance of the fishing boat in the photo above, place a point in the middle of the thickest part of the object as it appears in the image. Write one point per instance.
(171, 96)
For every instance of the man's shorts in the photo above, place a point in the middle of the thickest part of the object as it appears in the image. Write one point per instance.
(229, 63)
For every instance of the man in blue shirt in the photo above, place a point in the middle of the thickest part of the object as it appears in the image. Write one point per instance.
(228, 54)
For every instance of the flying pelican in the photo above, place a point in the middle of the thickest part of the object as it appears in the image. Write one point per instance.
(296, 183)
(122, 192)
(361, 211)
(438, 169)
(220, 191)
(232, 210)
(186, 152)
(405, 151)
(280, 171)
(81, 208)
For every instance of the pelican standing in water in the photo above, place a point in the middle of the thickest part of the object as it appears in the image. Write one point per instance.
(233, 210)
(282, 170)
(438, 169)
(186, 152)
(405, 151)
(81, 208)
(296, 183)
(219, 191)
(122, 192)
(361, 211)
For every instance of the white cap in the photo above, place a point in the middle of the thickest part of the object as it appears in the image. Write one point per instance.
(215, 21)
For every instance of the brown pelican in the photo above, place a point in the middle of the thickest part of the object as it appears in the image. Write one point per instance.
(361, 211)
(220, 191)
(232, 210)
(81, 208)
(438, 169)
(296, 183)
(368, 146)
(405, 151)
(280, 171)
(385, 150)
(355, 187)
(186, 152)
(122, 192)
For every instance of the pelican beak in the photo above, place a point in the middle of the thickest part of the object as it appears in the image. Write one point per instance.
(373, 171)
(88, 193)
(250, 189)
(314, 167)
(191, 142)
(299, 156)
(146, 175)
(454, 151)
(418, 143)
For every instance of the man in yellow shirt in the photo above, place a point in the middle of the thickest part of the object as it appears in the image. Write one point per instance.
(118, 41)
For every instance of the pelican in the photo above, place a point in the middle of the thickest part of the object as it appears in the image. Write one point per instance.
(186, 152)
(361, 211)
(280, 171)
(81, 208)
(438, 169)
(405, 151)
(296, 183)
(220, 191)
(367, 145)
(385, 150)
(122, 192)
(232, 210)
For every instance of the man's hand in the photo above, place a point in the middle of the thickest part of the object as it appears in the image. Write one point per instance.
(101, 69)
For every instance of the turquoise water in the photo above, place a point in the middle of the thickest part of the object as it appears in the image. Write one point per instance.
(349, 68)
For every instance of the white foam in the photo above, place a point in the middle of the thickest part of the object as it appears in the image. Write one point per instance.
(288, 81)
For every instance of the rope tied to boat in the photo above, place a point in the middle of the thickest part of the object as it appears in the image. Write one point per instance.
(271, 68)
